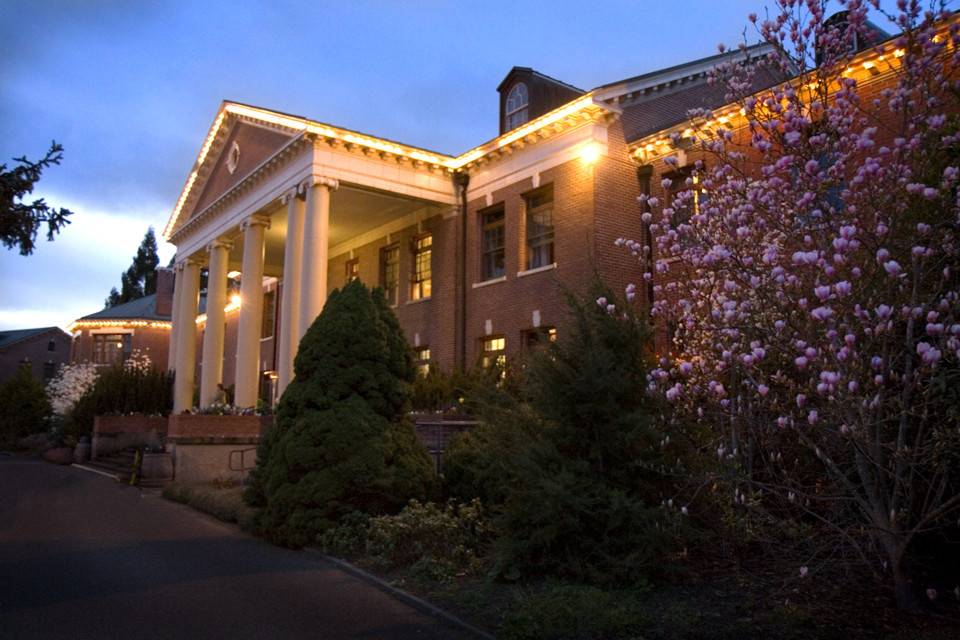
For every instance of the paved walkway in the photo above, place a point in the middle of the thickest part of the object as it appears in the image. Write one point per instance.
(84, 557)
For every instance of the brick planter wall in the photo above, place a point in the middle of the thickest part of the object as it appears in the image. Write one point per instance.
(214, 429)
(210, 448)
(114, 433)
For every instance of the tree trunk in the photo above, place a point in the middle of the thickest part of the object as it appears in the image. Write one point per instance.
(904, 589)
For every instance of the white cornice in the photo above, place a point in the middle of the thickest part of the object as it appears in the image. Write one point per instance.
(571, 115)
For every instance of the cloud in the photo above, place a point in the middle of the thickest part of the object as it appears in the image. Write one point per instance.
(71, 276)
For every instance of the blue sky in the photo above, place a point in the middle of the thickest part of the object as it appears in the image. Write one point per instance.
(130, 88)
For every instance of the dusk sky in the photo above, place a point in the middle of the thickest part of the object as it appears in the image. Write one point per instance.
(130, 89)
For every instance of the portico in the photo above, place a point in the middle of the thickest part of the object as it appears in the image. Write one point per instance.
(267, 201)
(291, 208)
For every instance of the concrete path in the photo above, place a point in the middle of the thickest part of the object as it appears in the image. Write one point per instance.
(84, 557)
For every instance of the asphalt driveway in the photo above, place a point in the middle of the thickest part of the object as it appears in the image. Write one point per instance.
(84, 557)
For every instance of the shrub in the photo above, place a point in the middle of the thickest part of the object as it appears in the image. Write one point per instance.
(575, 612)
(342, 441)
(438, 541)
(575, 469)
(480, 463)
(24, 407)
(452, 391)
(132, 387)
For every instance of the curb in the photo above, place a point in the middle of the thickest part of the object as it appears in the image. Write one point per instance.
(92, 470)
(407, 598)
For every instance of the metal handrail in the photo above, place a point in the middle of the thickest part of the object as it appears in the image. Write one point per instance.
(243, 468)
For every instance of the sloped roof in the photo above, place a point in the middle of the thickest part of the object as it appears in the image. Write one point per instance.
(516, 69)
(144, 308)
(664, 111)
(13, 336)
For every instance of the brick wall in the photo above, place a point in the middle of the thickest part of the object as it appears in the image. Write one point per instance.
(35, 350)
(152, 341)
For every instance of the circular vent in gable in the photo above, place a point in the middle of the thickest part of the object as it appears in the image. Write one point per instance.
(234, 158)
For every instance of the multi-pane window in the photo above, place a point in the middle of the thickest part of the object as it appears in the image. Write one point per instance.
(492, 244)
(52, 345)
(269, 314)
(352, 269)
(421, 360)
(516, 108)
(390, 272)
(49, 370)
(540, 228)
(493, 352)
(111, 348)
(538, 337)
(686, 196)
(422, 281)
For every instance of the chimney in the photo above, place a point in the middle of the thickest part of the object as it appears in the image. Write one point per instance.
(165, 280)
(868, 36)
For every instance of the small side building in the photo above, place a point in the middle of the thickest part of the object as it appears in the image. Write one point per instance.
(110, 336)
(44, 349)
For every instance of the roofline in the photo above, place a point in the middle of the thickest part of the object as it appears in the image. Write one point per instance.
(34, 334)
(537, 73)
(323, 130)
(679, 71)
(863, 59)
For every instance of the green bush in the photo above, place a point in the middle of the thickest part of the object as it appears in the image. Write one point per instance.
(438, 541)
(435, 541)
(342, 441)
(24, 407)
(575, 612)
(121, 390)
(574, 467)
(482, 462)
(453, 391)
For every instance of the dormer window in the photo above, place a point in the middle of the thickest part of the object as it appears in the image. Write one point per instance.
(518, 101)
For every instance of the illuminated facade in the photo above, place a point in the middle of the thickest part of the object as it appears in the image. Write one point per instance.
(472, 250)
(111, 335)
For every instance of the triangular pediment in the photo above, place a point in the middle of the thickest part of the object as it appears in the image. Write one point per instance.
(246, 147)
(235, 146)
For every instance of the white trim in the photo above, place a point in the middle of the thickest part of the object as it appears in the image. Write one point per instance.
(525, 163)
(113, 330)
(530, 272)
(477, 285)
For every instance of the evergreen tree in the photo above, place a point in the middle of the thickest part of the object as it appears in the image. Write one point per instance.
(140, 279)
(20, 221)
(342, 441)
(23, 406)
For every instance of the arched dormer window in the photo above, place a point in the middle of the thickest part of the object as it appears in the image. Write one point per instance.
(518, 100)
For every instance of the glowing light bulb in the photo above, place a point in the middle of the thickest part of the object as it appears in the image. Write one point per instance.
(590, 153)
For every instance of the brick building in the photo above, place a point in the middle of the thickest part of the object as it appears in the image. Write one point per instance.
(109, 336)
(473, 250)
(43, 350)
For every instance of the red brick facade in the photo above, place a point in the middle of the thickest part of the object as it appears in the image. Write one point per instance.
(594, 203)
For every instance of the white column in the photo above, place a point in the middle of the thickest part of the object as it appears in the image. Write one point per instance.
(290, 298)
(316, 234)
(174, 321)
(186, 336)
(251, 312)
(211, 371)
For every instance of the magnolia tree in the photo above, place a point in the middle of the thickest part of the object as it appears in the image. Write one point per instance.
(818, 323)
(69, 385)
